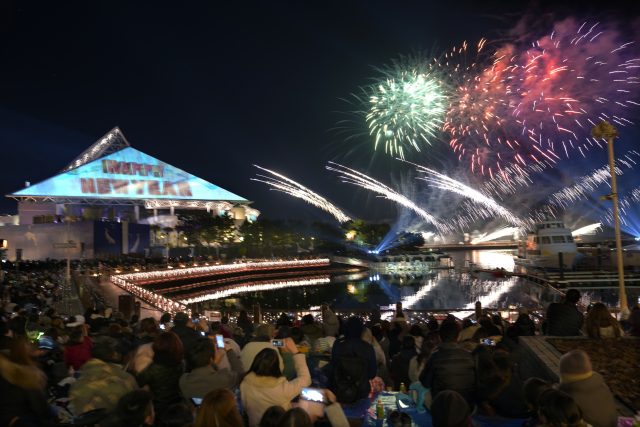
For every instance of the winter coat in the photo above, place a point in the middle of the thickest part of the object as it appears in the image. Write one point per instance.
(100, 385)
(592, 396)
(77, 355)
(258, 393)
(563, 320)
(450, 368)
(201, 381)
(330, 323)
(22, 394)
(163, 382)
(142, 358)
(361, 349)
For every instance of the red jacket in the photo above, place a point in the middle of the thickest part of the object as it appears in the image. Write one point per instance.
(77, 354)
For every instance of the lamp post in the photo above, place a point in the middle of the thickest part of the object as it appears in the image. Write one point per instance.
(605, 130)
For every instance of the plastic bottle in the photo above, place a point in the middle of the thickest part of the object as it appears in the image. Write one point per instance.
(379, 410)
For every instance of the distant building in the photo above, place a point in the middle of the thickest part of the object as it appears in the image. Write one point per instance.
(104, 202)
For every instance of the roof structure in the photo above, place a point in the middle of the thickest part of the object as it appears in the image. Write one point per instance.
(113, 172)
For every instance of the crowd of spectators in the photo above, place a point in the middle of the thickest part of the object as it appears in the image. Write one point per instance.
(100, 368)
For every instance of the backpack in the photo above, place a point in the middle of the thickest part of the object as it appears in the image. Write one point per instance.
(349, 376)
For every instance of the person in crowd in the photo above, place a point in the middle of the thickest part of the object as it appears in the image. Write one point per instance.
(135, 409)
(498, 322)
(634, 322)
(469, 328)
(219, 409)
(564, 319)
(601, 324)
(271, 416)
(450, 409)
(264, 385)
(78, 349)
(524, 325)
(162, 377)
(102, 381)
(165, 321)
(558, 409)
(143, 343)
(22, 387)
(311, 330)
(330, 322)
(184, 329)
(381, 359)
(400, 363)
(205, 375)
(588, 389)
(489, 326)
(264, 335)
(295, 417)
(353, 364)
(417, 363)
(399, 328)
(245, 323)
(532, 390)
(418, 336)
(284, 320)
(177, 415)
(450, 367)
(504, 395)
(380, 335)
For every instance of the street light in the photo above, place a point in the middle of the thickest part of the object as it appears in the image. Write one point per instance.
(605, 130)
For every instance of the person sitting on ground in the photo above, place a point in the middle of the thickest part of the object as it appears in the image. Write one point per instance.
(295, 417)
(418, 363)
(469, 328)
(183, 327)
(532, 390)
(450, 367)
(311, 330)
(564, 319)
(588, 389)
(102, 380)
(135, 409)
(78, 350)
(22, 387)
(601, 324)
(271, 416)
(524, 326)
(219, 409)
(264, 385)
(205, 375)
(450, 409)
(558, 409)
(143, 354)
(401, 362)
(264, 335)
(353, 364)
(163, 375)
(331, 409)
(330, 322)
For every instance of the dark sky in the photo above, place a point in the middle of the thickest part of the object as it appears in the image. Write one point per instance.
(213, 87)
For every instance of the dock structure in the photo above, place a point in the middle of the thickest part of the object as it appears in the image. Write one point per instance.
(580, 279)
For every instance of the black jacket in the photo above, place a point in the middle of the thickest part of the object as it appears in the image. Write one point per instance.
(363, 350)
(163, 382)
(451, 368)
(564, 320)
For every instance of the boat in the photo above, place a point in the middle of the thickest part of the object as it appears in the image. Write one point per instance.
(546, 245)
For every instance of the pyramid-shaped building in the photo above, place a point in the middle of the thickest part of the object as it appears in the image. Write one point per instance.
(115, 187)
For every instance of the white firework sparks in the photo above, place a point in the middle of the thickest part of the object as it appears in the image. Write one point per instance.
(280, 182)
(587, 230)
(354, 177)
(497, 234)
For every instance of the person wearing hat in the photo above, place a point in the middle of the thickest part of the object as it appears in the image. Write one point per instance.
(588, 389)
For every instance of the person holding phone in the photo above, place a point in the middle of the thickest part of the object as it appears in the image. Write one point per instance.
(206, 375)
(264, 385)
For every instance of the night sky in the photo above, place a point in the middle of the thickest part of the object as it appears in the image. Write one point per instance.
(213, 87)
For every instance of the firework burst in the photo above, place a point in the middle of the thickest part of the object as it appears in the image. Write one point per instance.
(405, 107)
